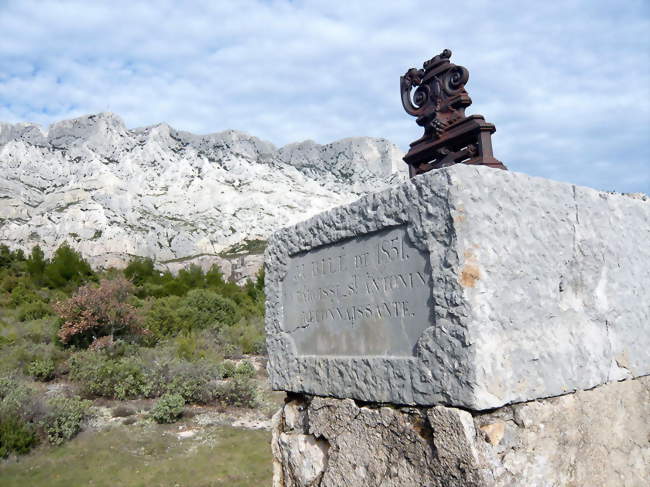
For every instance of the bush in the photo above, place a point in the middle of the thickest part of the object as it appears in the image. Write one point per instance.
(239, 391)
(16, 436)
(140, 270)
(242, 369)
(33, 311)
(94, 312)
(168, 408)
(41, 369)
(245, 369)
(192, 380)
(99, 375)
(228, 368)
(22, 295)
(39, 332)
(162, 318)
(197, 346)
(17, 399)
(246, 337)
(64, 418)
(203, 309)
(144, 373)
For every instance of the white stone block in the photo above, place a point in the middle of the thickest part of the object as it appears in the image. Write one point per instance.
(466, 286)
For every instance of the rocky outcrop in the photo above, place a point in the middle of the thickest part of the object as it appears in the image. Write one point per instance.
(177, 197)
(596, 437)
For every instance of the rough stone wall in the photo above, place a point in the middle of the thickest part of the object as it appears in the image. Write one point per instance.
(599, 437)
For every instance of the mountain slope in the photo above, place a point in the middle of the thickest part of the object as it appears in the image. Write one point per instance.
(114, 193)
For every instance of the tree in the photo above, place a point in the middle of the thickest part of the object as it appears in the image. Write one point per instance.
(140, 270)
(36, 264)
(5, 256)
(67, 268)
(94, 312)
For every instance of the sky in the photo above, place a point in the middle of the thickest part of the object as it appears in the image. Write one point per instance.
(567, 83)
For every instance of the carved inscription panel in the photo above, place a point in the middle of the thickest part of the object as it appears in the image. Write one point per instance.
(366, 296)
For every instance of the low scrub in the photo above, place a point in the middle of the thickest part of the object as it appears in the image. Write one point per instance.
(41, 369)
(25, 417)
(16, 436)
(64, 417)
(238, 391)
(144, 373)
(102, 375)
(168, 408)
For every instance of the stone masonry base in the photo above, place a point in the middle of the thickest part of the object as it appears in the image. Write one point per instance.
(599, 437)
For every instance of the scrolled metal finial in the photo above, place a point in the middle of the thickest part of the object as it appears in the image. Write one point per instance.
(455, 79)
(440, 58)
(412, 78)
(439, 102)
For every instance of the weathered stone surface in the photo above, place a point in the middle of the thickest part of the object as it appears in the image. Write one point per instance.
(589, 438)
(533, 288)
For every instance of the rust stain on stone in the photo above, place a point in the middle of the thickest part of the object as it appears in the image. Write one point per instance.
(469, 275)
(470, 272)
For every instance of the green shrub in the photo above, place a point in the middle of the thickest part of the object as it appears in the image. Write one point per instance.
(198, 346)
(202, 309)
(239, 391)
(228, 369)
(192, 380)
(140, 270)
(7, 384)
(17, 399)
(22, 295)
(162, 318)
(8, 282)
(16, 436)
(33, 311)
(187, 347)
(122, 378)
(245, 369)
(39, 332)
(22, 351)
(246, 337)
(192, 277)
(168, 408)
(41, 369)
(64, 417)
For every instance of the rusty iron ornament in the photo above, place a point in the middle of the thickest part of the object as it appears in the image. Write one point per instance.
(439, 102)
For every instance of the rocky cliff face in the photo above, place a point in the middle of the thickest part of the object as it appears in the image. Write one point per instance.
(113, 193)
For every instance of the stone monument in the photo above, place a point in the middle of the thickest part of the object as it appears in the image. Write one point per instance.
(468, 327)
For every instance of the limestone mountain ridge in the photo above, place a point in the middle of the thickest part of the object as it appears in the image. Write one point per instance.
(114, 193)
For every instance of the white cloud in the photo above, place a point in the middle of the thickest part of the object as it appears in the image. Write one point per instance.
(566, 83)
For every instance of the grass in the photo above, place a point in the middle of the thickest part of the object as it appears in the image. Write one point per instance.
(151, 456)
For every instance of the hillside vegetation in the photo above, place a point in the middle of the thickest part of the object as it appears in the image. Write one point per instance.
(117, 334)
